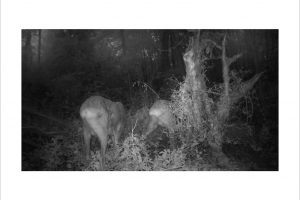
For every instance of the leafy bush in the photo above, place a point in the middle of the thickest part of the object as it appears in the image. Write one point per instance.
(134, 155)
(169, 160)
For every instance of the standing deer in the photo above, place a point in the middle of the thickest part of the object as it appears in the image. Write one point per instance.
(101, 117)
(160, 114)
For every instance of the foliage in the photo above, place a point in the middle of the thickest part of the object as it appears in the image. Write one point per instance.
(169, 160)
(52, 151)
(94, 163)
(134, 155)
(126, 66)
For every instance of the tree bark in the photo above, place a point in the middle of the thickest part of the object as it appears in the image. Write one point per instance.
(195, 90)
(39, 47)
(27, 49)
(165, 62)
(124, 46)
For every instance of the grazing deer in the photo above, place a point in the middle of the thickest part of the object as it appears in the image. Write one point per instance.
(161, 115)
(101, 117)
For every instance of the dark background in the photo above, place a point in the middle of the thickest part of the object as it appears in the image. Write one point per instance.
(61, 68)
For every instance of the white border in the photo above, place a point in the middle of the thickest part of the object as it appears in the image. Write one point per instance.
(191, 14)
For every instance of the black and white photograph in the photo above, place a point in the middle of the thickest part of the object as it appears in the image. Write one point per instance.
(149, 100)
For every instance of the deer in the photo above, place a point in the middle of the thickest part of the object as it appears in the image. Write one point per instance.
(161, 115)
(101, 117)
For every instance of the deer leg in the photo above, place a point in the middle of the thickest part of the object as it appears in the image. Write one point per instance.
(153, 124)
(87, 142)
(103, 142)
(117, 134)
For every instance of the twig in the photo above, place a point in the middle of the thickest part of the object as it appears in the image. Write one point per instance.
(133, 127)
(211, 92)
(145, 84)
(233, 59)
(225, 68)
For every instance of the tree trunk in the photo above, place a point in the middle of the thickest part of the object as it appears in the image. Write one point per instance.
(199, 102)
(124, 46)
(39, 47)
(170, 51)
(27, 49)
(165, 62)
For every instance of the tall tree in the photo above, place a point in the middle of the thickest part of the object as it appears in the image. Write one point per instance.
(206, 111)
(165, 55)
(39, 46)
(27, 53)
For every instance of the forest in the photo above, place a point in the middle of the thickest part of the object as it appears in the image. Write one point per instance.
(149, 100)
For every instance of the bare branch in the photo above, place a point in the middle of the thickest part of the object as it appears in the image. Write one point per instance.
(225, 68)
(226, 62)
(247, 85)
(244, 88)
(229, 61)
(132, 130)
(147, 86)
